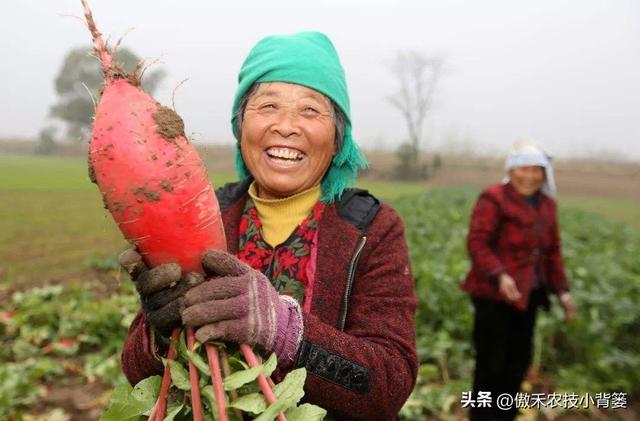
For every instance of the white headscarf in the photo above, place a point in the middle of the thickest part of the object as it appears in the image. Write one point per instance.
(525, 153)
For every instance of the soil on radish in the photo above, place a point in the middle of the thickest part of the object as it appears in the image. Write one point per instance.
(92, 172)
(170, 124)
(166, 185)
(150, 195)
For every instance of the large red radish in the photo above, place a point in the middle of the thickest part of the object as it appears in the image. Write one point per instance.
(155, 185)
(151, 177)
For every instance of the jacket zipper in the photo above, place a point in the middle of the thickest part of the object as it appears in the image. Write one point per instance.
(350, 276)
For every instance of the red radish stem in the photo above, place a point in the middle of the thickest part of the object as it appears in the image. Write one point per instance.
(152, 416)
(265, 387)
(218, 388)
(98, 44)
(193, 377)
(161, 406)
(226, 370)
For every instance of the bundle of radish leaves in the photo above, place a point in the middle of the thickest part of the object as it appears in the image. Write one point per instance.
(241, 386)
(155, 186)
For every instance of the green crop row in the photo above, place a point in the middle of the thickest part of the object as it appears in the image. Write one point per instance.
(54, 332)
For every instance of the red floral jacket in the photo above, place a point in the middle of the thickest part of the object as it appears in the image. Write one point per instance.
(362, 367)
(507, 234)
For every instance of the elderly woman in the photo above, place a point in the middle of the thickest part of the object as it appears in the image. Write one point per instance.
(316, 272)
(514, 246)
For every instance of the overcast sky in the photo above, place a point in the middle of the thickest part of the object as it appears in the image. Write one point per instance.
(566, 73)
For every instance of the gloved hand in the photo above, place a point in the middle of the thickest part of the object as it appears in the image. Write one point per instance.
(161, 290)
(239, 304)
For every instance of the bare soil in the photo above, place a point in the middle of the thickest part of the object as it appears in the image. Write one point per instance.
(80, 400)
(584, 183)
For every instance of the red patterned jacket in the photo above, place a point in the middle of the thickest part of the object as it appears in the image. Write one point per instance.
(360, 357)
(507, 234)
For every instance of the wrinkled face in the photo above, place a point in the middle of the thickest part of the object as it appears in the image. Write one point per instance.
(527, 180)
(287, 138)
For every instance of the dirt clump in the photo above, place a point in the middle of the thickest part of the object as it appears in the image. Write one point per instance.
(170, 124)
(166, 185)
(150, 195)
(92, 172)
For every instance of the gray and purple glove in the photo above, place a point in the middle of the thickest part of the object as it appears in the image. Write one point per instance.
(161, 290)
(239, 304)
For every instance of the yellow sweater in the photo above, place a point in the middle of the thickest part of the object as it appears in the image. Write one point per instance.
(279, 217)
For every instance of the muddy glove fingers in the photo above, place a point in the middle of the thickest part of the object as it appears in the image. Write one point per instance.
(166, 318)
(131, 261)
(217, 263)
(161, 303)
(158, 278)
(165, 296)
(147, 280)
(164, 307)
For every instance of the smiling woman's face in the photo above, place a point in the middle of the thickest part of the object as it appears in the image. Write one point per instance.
(287, 140)
(527, 180)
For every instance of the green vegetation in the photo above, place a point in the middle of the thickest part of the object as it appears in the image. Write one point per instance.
(128, 402)
(388, 190)
(51, 234)
(618, 209)
(60, 331)
(28, 173)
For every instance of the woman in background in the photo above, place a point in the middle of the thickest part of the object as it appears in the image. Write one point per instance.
(514, 246)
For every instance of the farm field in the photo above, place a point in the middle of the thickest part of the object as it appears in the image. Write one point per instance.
(52, 225)
(54, 234)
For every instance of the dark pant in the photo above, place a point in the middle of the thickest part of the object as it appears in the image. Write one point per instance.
(503, 341)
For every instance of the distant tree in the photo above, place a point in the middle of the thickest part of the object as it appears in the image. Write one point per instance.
(46, 141)
(80, 79)
(437, 162)
(418, 76)
(406, 168)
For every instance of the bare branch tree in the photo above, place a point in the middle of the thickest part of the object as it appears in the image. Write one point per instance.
(418, 76)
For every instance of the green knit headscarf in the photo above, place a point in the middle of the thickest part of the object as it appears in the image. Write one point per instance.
(308, 59)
